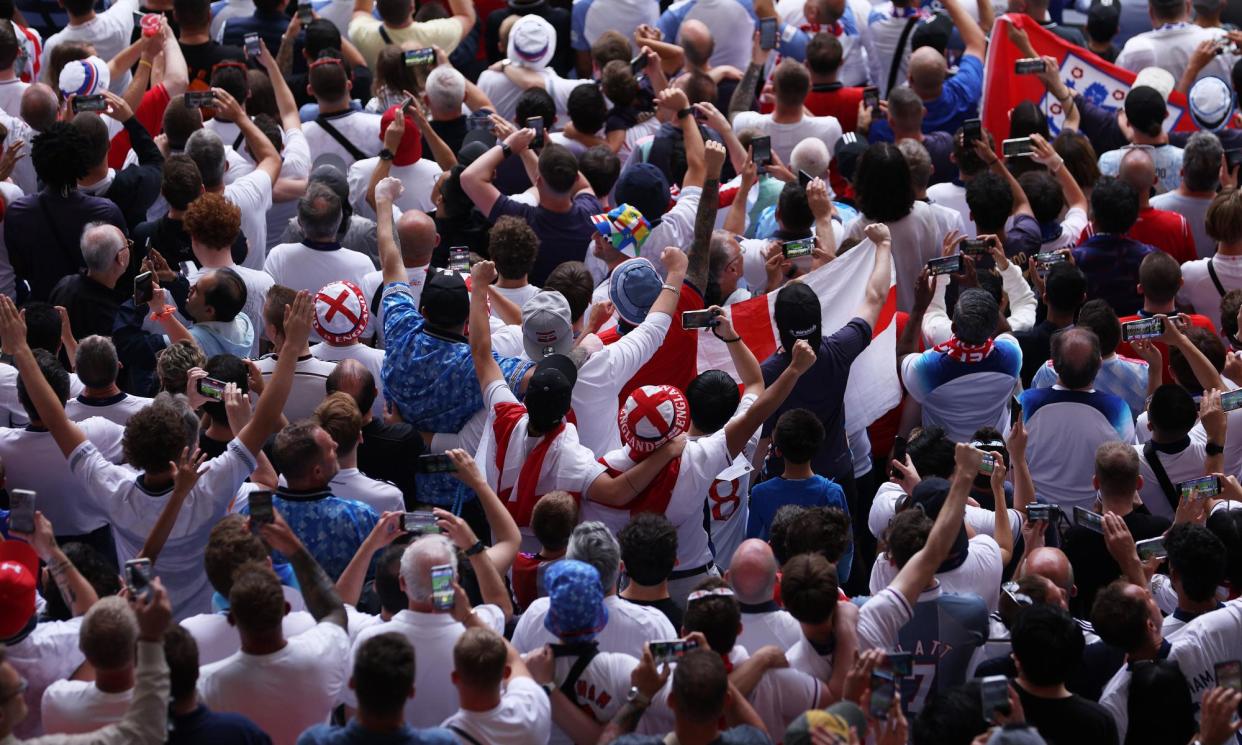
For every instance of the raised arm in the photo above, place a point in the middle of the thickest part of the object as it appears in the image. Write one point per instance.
(972, 35)
(386, 530)
(390, 255)
(744, 94)
(176, 71)
(1045, 155)
(735, 221)
(185, 475)
(267, 412)
(383, 166)
(476, 180)
(506, 537)
(739, 429)
(266, 156)
(1002, 531)
(486, 368)
(51, 411)
(919, 570)
(1020, 204)
(1205, 372)
(674, 99)
(463, 13)
(285, 102)
(77, 593)
(324, 604)
(491, 583)
(705, 218)
(440, 150)
(881, 274)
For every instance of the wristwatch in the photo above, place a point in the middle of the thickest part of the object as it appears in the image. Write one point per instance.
(636, 698)
(385, 154)
(548, 688)
(1213, 449)
(683, 113)
(505, 150)
(476, 549)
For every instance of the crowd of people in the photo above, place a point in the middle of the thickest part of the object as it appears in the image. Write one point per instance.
(618, 371)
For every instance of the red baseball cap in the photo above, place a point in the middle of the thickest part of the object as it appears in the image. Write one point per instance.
(411, 147)
(19, 574)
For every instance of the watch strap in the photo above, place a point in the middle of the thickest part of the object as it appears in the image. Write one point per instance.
(386, 154)
(476, 549)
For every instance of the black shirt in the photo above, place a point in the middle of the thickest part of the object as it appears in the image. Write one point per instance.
(389, 452)
(1036, 347)
(168, 236)
(90, 305)
(1093, 566)
(1068, 721)
(200, 58)
(135, 188)
(665, 605)
(452, 132)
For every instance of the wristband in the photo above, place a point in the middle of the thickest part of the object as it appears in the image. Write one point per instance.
(683, 113)
(160, 315)
(670, 288)
(1212, 448)
(505, 150)
(475, 550)
(144, 62)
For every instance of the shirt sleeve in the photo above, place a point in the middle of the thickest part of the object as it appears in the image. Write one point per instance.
(937, 328)
(103, 480)
(881, 618)
(967, 85)
(297, 159)
(1022, 301)
(506, 206)
(637, 347)
(401, 316)
(577, 26)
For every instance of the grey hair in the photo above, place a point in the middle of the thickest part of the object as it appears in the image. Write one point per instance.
(96, 362)
(108, 633)
(1201, 162)
(101, 242)
(416, 563)
(919, 161)
(319, 212)
(445, 87)
(593, 543)
(181, 405)
(975, 316)
(206, 149)
(812, 156)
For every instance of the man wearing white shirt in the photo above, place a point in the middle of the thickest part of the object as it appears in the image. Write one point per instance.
(310, 375)
(789, 124)
(1171, 415)
(338, 130)
(107, 637)
(520, 714)
(532, 44)
(433, 633)
(1172, 41)
(319, 259)
(403, 150)
(251, 193)
(338, 415)
(11, 85)
(724, 18)
(97, 367)
(282, 685)
(938, 328)
(752, 574)
(108, 32)
(628, 625)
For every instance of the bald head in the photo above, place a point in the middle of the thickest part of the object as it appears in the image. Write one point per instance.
(416, 232)
(39, 106)
(1138, 170)
(352, 378)
(1053, 565)
(696, 40)
(1076, 357)
(927, 72)
(752, 572)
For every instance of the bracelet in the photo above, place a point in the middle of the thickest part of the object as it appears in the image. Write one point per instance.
(475, 550)
(716, 333)
(144, 62)
(670, 288)
(683, 113)
(160, 315)
(1060, 164)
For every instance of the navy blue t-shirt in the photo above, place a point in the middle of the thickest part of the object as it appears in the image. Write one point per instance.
(563, 236)
(206, 727)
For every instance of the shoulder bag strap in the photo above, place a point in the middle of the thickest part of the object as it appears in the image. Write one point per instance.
(575, 672)
(901, 51)
(1166, 484)
(1215, 279)
(383, 32)
(463, 735)
(341, 139)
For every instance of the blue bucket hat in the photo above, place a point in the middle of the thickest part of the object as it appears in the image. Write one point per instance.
(633, 288)
(575, 601)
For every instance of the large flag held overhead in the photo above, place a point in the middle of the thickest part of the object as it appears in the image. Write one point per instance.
(1098, 81)
(841, 285)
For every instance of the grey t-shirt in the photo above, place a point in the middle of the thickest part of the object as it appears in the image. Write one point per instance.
(1194, 209)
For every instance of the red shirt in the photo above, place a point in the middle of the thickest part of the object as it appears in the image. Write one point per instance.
(836, 100)
(526, 577)
(1165, 230)
(1125, 350)
(676, 362)
(151, 113)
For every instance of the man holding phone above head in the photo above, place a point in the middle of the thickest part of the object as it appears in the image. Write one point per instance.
(131, 495)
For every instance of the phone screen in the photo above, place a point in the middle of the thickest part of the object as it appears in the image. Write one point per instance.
(211, 388)
(89, 103)
(1048, 258)
(261, 511)
(901, 663)
(1040, 512)
(798, 249)
(699, 319)
(672, 650)
(1028, 66)
(945, 265)
(536, 123)
(882, 691)
(419, 522)
(767, 33)
(987, 466)
(436, 463)
(252, 45)
(442, 587)
(1019, 147)
(144, 288)
(1151, 547)
(974, 247)
(1231, 400)
(199, 99)
(22, 510)
(762, 149)
(1205, 486)
(138, 577)
(1090, 520)
(994, 695)
(1144, 328)
(423, 56)
(459, 259)
(1229, 674)
(304, 14)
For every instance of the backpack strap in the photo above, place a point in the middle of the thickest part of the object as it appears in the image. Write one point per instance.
(462, 733)
(895, 68)
(383, 32)
(1215, 279)
(341, 139)
(585, 653)
(1162, 476)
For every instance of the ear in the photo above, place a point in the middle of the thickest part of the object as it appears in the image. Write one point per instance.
(1095, 483)
(1139, 486)
(1138, 288)
(456, 679)
(287, 608)
(351, 683)
(401, 584)
(232, 621)
(508, 672)
(309, 91)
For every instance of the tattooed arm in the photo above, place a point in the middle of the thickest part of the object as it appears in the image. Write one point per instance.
(77, 593)
(744, 94)
(705, 219)
(318, 591)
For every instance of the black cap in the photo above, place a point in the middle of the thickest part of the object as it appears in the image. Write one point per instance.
(1103, 21)
(1145, 109)
(550, 390)
(930, 496)
(933, 32)
(846, 154)
(445, 300)
(798, 315)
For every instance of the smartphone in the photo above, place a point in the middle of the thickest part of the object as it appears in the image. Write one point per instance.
(138, 578)
(89, 103)
(899, 454)
(987, 466)
(994, 695)
(638, 64)
(699, 319)
(211, 388)
(252, 45)
(1048, 258)
(1231, 400)
(975, 247)
(1206, 486)
(1089, 520)
(424, 56)
(871, 97)
(478, 120)
(144, 288)
(1151, 547)
(261, 512)
(1234, 159)
(536, 123)
(804, 178)
(1028, 66)
(945, 265)
(1144, 328)
(1018, 147)
(442, 587)
(1229, 675)
(436, 463)
(419, 522)
(671, 651)
(798, 249)
(459, 259)
(1011, 591)
(1045, 512)
(972, 129)
(883, 689)
(1015, 410)
(304, 14)
(761, 147)
(22, 510)
(767, 33)
(199, 99)
(901, 663)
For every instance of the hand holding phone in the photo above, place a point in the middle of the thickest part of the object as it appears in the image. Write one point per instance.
(22, 510)
(138, 578)
(536, 123)
(767, 33)
(253, 46)
(261, 510)
(144, 288)
(994, 695)
(883, 689)
(442, 595)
